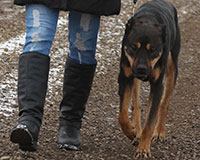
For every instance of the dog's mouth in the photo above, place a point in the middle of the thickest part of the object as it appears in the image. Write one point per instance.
(141, 76)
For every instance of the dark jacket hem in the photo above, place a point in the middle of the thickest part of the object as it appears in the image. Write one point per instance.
(96, 7)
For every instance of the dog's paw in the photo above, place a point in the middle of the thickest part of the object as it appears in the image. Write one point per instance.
(143, 149)
(131, 136)
(131, 133)
(158, 136)
(143, 152)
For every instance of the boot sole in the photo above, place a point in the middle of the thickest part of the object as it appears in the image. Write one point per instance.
(24, 138)
(69, 147)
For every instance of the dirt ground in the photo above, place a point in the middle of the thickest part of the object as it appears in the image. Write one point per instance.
(102, 138)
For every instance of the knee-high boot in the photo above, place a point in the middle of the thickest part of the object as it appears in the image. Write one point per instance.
(32, 86)
(76, 88)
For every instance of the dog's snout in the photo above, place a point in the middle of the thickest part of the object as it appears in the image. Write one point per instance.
(141, 68)
(141, 72)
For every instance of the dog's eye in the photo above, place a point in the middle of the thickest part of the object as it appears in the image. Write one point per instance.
(153, 52)
(133, 47)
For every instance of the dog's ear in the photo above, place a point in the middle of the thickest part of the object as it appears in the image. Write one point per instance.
(132, 22)
(162, 29)
(129, 24)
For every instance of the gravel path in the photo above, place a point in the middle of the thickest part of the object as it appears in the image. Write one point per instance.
(101, 134)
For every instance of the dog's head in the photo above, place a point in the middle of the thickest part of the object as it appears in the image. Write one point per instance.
(143, 43)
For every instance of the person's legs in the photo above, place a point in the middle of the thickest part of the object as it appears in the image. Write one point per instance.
(33, 74)
(79, 72)
(41, 23)
(83, 32)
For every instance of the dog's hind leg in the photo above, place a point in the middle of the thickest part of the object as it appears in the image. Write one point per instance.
(175, 52)
(136, 108)
(169, 82)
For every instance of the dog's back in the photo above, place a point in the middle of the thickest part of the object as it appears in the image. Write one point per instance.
(162, 9)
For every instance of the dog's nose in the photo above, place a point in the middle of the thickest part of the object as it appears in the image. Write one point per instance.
(141, 69)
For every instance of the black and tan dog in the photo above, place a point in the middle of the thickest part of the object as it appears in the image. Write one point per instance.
(150, 50)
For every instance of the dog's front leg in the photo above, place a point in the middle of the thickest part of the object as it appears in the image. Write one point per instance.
(136, 108)
(154, 101)
(125, 93)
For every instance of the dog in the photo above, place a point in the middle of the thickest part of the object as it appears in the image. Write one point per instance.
(150, 50)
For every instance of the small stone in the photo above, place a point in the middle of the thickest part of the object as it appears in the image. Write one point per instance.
(6, 49)
(5, 158)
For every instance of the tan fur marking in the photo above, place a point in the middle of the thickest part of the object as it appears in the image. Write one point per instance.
(148, 46)
(153, 63)
(138, 45)
(125, 48)
(156, 73)
(127, 70)
(130, 59)
(160, 28)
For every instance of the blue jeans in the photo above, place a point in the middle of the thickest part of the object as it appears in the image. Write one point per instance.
(41, 23)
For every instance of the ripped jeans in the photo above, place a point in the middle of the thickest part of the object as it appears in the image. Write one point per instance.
(41, 23)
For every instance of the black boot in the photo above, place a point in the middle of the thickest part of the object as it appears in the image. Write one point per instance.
(76, 88)
(32, 85)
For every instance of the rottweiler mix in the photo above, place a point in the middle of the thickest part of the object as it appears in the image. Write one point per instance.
(150, 50)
